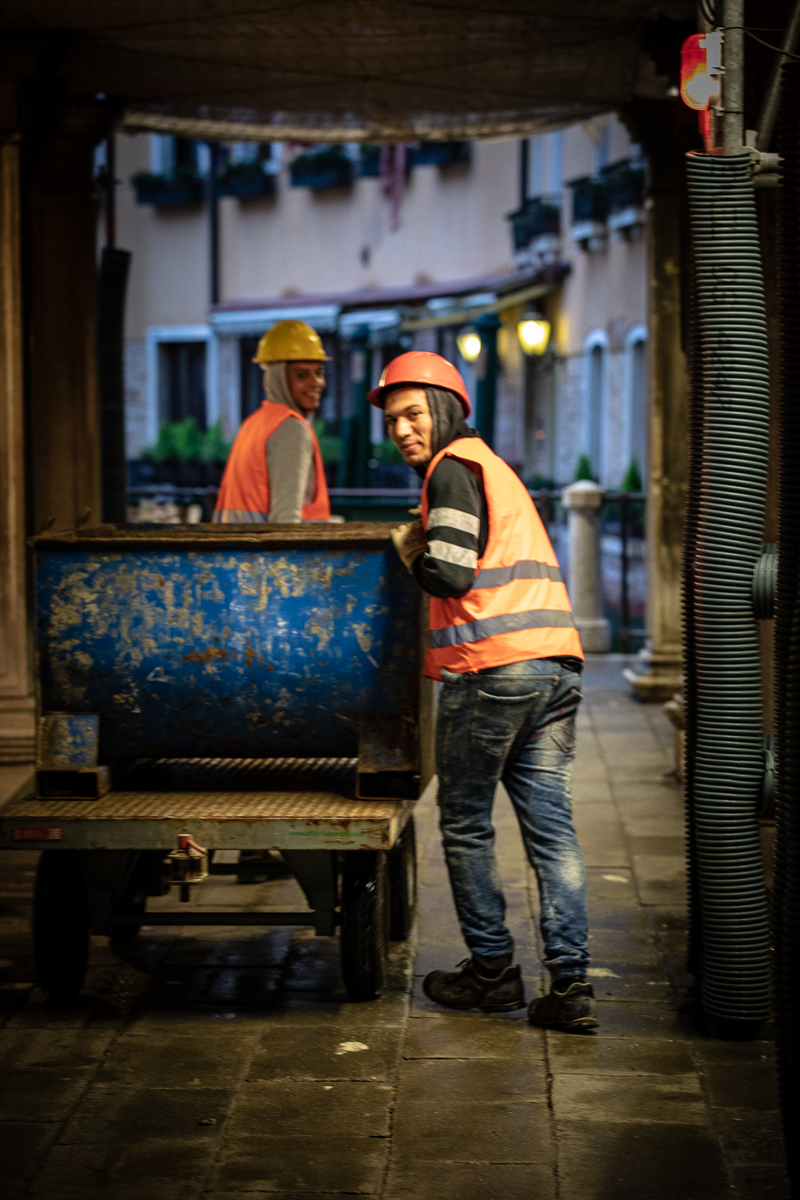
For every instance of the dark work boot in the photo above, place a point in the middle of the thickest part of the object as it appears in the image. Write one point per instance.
(467, 988)
(569, 1006)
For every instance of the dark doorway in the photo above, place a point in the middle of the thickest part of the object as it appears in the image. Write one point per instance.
(182, 381)
(251, 376)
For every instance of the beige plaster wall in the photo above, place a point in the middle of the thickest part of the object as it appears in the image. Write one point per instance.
(452, 226)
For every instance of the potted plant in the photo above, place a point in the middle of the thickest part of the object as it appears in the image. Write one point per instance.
(183, 186)
(441, 154)
(320, 169)
(539, 215)
(245, 179)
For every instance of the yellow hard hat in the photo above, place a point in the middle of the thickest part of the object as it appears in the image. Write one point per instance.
(291, 341)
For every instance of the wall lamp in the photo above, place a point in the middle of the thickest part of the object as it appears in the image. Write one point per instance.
(469, 345)
(533, 332)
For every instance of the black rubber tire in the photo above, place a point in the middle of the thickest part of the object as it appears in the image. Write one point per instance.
(61, 923)
(365, 923)
(402, 866)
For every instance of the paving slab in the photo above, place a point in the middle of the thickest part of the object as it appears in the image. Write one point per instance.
(760, 1182)
(635, 1099)
(173, 1060)
(24, 1146)
(463, 1131)
(132, 1116)
(292, 1109)
(362, 1052)
(306, 1164)
(603, 1161)
(471, 1181)
(451, 1079)
(618, 1056)
(168, 1170)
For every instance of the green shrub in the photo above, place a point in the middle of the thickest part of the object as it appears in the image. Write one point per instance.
(182, 441)
(329, 447)
(187, 440)
(632, 481)
(584, 470)
(164, 448)
(386, 451)
(213, 447)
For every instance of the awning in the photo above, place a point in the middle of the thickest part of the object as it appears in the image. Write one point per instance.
(356, 70)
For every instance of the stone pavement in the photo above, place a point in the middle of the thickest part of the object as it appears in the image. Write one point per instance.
(226, 1063)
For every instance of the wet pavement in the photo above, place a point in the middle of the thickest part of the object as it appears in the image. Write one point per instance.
(227, 1063)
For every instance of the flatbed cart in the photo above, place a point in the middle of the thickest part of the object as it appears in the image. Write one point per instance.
(224, 688)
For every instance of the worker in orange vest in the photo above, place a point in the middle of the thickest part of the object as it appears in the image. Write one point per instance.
(504, 644)
(274, 472)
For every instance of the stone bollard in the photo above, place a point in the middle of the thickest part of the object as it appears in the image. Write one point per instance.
(583, 501)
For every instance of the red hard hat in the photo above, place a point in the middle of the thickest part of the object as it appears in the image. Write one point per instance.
(423, 369)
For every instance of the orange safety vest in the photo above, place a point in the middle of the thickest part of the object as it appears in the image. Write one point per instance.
(517, 607)
(244, 492)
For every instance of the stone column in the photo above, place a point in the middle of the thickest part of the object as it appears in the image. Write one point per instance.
(16, 699)
(583, 500)
(666, 134)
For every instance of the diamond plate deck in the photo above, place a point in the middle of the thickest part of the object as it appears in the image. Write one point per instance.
(151, 816)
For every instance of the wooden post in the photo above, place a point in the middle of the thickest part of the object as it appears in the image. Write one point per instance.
(16, 700)
(61, 286)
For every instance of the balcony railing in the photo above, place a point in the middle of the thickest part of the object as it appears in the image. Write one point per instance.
(441, 154)
(625, 184)
(246, 180)
(539, 215)
(322, 169)
(167, 191)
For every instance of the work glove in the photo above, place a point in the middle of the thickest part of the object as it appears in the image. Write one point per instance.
(409, 541)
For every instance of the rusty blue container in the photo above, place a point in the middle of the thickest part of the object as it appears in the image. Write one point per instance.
(229, 642)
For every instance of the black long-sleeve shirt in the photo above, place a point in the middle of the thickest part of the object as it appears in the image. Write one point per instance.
(458, 529)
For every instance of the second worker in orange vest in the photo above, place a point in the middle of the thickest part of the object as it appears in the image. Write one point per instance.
(274, 472)
(504, 645)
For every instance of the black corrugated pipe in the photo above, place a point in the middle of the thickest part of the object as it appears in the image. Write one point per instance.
(694, 940)
(728, 759)
(786, 874)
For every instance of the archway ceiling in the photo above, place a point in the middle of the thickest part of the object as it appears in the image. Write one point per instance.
(355, 70)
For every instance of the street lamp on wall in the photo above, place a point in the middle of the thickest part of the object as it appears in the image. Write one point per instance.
(533, 332)
(469, 345)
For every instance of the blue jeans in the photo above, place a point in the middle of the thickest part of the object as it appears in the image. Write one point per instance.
(514, 723)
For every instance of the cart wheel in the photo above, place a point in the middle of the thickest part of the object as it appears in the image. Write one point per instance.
(365, 913)
(61, 923)
(402, 865)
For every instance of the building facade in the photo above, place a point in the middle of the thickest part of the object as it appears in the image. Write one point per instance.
(404, 247)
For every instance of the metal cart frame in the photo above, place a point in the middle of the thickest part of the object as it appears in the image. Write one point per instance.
(105, 846)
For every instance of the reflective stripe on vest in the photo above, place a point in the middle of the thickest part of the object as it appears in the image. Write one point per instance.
(244, 496)
(517, 607)
(476, 631)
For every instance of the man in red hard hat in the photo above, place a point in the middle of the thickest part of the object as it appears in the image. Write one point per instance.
(504, 644)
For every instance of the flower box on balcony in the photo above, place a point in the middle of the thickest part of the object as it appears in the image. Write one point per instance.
(323, 169)
(245, 179)
(589, 199)
(625, 182)
(369, 161)
(168, 191)
(537, 216)
(441, 154)
(589, 212)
